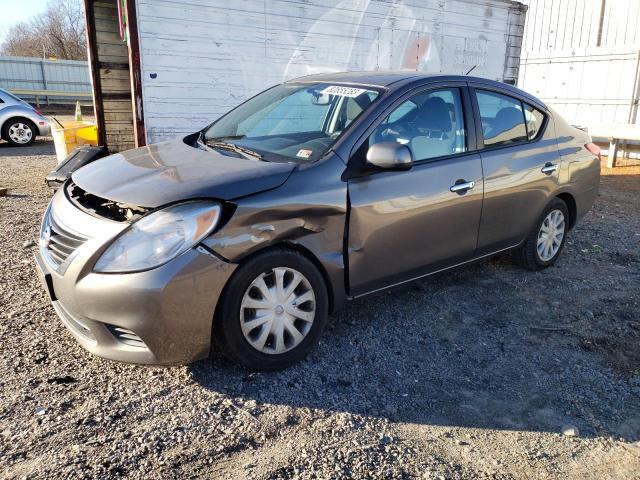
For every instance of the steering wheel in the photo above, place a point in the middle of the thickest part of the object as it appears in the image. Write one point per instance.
(391, 134)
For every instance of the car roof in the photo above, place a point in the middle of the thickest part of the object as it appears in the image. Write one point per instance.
(400, 78)
(377, 78)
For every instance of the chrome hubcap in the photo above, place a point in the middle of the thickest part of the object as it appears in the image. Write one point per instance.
(550, 235)
(20, 133)
(277, 310)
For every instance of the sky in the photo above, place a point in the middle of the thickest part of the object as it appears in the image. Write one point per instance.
(18, 11)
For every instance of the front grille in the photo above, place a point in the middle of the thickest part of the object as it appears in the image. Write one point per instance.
(126, 336)
(61, 243)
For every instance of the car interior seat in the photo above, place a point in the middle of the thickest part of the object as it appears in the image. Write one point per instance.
(433, 136)
(508, 125)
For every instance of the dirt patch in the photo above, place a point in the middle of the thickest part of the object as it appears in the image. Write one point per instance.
(472, 374)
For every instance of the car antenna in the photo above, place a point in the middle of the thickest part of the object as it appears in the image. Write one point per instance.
(471, 70)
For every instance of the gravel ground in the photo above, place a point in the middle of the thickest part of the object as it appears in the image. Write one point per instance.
(472, 374)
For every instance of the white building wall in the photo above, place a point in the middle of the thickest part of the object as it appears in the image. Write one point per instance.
(581, 58)
(199, 58)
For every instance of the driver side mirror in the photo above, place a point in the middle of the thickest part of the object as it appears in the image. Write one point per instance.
(390, 156)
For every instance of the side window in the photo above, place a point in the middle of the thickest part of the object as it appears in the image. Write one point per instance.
(402, 110)
(431, 124)
(502, 119)
(534, 119)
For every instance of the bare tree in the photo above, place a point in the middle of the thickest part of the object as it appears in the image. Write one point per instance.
(57, 32)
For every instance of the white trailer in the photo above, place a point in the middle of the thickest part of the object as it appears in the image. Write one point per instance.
(183, 63)
(583, 58)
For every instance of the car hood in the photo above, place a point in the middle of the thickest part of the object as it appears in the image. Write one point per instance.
(171, 171)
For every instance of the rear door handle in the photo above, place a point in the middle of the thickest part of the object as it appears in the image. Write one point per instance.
(549, 168)
(462, 186)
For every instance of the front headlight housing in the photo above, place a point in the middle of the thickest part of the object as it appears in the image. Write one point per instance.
(159, 237)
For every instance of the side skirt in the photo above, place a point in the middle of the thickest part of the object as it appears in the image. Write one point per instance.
(472, 260)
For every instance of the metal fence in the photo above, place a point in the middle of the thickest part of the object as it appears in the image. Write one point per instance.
(46, 81)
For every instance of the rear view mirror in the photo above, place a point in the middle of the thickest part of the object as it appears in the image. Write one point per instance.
(319, 98)
(390, 156)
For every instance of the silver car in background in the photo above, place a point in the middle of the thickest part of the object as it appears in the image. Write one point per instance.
(20, 123)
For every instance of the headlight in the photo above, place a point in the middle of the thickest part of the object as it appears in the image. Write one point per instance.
(159, 237)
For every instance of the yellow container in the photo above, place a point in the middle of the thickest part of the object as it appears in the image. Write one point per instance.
(69, 135)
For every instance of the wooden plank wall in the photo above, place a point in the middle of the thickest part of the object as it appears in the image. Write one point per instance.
(114, 77)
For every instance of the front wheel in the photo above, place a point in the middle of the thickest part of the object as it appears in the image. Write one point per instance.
(544, 243)
(19, 132)
(273, 311)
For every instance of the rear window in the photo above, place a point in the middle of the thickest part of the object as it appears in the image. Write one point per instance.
(502, 119)
(535, 119)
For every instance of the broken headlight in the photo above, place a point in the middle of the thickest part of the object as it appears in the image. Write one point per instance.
(159, 236)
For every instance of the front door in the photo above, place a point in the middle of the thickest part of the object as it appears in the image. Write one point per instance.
(404, 224)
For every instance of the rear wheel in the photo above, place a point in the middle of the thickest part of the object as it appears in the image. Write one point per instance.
(544, 243)
(273, 311)
(19, 132)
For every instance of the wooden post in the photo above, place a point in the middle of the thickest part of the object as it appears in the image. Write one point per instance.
(611, 154)
(96, 87)
(135, 70)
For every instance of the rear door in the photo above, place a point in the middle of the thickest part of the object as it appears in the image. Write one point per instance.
(403, 224)
(520, 163)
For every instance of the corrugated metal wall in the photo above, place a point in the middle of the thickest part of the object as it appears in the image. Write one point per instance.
(581, 57)
(199, 59)
(25, 73)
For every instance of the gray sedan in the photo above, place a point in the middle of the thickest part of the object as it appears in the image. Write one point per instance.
(248, 234)
(20, 123)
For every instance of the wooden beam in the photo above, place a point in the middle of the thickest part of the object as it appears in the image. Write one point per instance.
(136, 73)
(92, 49)
(114, 65)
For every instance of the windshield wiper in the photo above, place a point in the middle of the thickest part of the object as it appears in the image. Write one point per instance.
(232, 147)
(228, 137)
(201, 141)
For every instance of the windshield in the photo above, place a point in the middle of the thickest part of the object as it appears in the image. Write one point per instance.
(291, 121)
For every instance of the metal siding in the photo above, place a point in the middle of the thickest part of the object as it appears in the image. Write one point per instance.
(562, 64)
(25, 73)
(200, 59)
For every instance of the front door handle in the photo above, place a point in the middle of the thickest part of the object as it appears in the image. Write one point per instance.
(549, 168)
(462, 187)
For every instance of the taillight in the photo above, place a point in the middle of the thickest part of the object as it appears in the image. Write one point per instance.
(593, 148)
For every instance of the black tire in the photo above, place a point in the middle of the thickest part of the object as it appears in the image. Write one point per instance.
(13, 121)
(227, 330)
(527, 254)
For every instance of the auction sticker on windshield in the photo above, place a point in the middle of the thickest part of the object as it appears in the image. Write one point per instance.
(343, 91)
(304, 153)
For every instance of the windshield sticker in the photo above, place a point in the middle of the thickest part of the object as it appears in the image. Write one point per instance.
(350, 92)
(304, 153)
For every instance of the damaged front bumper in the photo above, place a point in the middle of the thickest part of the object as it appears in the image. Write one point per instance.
(159, 316)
